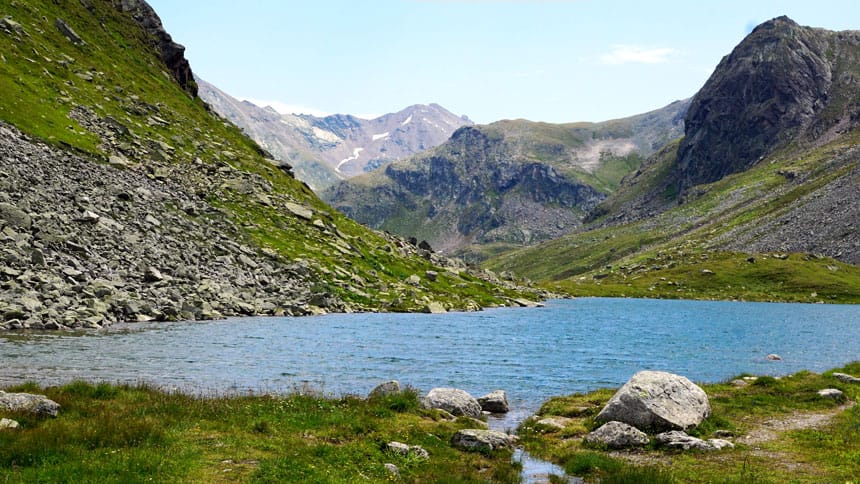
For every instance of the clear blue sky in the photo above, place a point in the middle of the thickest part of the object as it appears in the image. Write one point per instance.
(544, 60)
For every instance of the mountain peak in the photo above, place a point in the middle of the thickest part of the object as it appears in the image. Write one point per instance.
(777, 86)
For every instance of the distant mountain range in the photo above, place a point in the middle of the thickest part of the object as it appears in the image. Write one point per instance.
(325, 150)
(507, 184)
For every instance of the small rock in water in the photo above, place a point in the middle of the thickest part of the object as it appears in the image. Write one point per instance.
(495, 402)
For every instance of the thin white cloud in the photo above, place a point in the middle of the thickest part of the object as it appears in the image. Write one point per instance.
(634, 54)
(286, 108)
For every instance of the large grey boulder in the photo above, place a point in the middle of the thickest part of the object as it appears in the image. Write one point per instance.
(495, 402)
(675, 439)
(27, 402)
(657, 401)
(453, 400)
(482, 440)
(617, 435)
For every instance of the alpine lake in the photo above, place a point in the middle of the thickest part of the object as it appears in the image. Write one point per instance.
(568, 346)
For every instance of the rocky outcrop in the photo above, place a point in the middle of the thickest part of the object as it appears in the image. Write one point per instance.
(480, 440)
(453, 400)
(677, 439)
(26, 402)
(846, 378)
(783, 83)
(617, 435)
(390, 387)
(831, 393)
(495, 402)
(172, 54)
(656, 401)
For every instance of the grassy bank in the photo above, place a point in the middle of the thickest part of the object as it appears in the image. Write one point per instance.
(782, 429)
(107, 433)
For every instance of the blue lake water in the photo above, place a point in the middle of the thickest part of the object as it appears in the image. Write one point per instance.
(568, 346)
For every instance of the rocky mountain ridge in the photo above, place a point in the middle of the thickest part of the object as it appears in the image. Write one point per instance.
(325, 150)
(783, 87)
(122, 198)
(506, 184)
(769, 167)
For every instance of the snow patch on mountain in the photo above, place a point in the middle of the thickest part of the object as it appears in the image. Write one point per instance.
(355, 154)
(377, 137)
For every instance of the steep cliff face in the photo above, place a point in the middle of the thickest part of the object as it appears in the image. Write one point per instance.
(507, 184)
(784, 87)
(172, 54)
(783, 83)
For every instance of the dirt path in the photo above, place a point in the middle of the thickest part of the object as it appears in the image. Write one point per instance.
(766, 431)
(771, 428)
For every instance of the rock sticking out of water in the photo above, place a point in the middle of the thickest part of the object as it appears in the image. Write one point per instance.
(495, 402)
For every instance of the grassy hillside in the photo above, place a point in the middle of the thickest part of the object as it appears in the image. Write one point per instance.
(110, 99)
(705, 247)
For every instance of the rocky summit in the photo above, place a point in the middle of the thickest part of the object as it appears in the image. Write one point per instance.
(124, 198)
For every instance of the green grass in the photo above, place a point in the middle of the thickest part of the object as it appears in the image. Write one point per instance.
(827, 453)
(107, 433)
